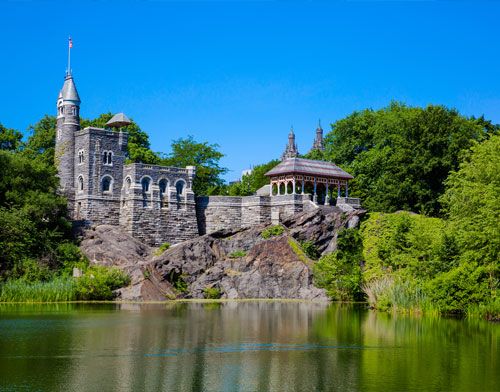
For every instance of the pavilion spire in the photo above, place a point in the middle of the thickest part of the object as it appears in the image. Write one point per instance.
(291, 150)
(318, 143)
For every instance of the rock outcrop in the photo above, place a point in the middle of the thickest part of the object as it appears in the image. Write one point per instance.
(234, 263)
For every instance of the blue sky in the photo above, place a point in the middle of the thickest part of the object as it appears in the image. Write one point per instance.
(240, 73)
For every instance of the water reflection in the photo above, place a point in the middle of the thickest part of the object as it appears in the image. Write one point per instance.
(240, 346)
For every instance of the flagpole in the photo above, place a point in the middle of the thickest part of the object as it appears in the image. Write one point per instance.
(69, 56)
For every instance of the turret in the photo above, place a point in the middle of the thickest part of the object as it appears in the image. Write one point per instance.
(68, 122)
(291, 150)
(318, 143)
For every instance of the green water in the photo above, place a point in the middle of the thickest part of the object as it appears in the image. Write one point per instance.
(241, 346)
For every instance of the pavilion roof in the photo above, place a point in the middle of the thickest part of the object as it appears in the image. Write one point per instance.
(308, 167)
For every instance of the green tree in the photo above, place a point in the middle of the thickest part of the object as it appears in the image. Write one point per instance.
(472, 201)
(42, 140)
(251, 182)
(32, 215)
(206, 157)
(139, 148)
(400, 156)
(340, 272)
(10, 139)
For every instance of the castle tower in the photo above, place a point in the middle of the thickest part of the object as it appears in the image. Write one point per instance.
(318, 143)
(68, 122)
(291, 150)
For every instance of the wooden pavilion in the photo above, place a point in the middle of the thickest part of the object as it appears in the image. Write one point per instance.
(298, 175)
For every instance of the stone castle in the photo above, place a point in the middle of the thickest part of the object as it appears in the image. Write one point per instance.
(156, 203)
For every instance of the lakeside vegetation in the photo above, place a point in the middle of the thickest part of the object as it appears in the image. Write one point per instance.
(446, 168)
(429, 179)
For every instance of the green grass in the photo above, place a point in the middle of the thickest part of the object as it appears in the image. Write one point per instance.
(57, 290)
(163, 247)
(489, 311)
(237, 254)
(211, 293)
(297, 249)
(272, 231)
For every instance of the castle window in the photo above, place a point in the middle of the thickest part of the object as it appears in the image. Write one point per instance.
(107, 157)
(106, 184)
(80, 184)
(128, 184)
(163, 189)
(81, 157)
(179, 187)
(145, 184)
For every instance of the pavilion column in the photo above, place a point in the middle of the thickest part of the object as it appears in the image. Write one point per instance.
(271, 190)
(278, 189)
(338, 189)
(315, 196)
(302, 186)
(286, 187)
(327, 196)
(293, 186)
(346, 189)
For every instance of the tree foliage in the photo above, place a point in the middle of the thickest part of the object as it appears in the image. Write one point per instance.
(32, 216)
(400, 156)
(251, 182)
(139, 148)
(472, 201)
(206, 157)
(10, 139)
(42, 141)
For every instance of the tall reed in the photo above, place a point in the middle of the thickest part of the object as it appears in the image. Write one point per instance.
(57, 290)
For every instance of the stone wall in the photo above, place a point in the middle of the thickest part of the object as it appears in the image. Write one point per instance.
(157, 215)
(92, 203)
(233, 212)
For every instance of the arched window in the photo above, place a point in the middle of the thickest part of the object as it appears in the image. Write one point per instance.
(128, 184)
(179, 186)
(81, 156)
(105, 157)
(80, 184)
(110, 158)
(163, 189)
(145, 184)
(106, 184)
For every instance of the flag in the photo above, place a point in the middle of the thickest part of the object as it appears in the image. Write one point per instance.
(70, 43)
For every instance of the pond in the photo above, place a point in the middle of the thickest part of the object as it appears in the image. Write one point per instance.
(241, 346)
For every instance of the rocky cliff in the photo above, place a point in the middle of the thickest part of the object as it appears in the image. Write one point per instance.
(230, 263)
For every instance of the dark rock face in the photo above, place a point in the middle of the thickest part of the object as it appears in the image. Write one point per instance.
(269, 268)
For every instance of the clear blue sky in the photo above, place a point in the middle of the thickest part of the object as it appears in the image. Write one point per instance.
(239, 73)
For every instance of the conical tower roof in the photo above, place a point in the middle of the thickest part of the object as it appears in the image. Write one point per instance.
(69, 92)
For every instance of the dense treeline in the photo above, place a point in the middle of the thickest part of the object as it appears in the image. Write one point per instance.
(441, 165)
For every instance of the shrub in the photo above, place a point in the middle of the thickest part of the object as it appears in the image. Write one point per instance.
(340, 272)
(310, 250)
(454, 291)
(162, 248)
(32, 271)
(178, 280)
(211, 293)
(237, 254)
(99, 282)
(69, 256)
(272, 231)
